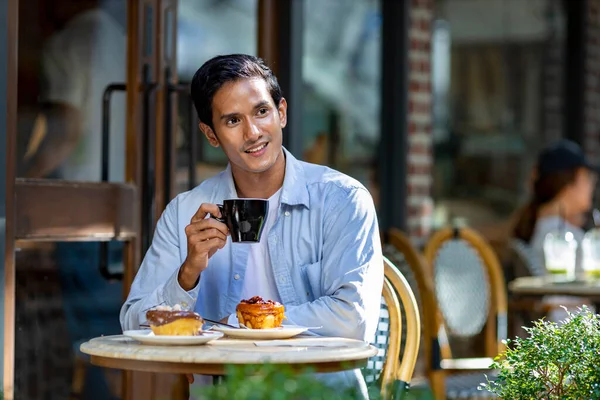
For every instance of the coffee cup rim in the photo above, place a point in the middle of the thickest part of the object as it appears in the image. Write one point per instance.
(244, 199)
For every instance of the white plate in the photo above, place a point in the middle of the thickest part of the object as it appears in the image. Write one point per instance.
(283, 332)
(146, 336)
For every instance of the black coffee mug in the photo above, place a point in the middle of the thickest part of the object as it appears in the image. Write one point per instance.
(245, 218)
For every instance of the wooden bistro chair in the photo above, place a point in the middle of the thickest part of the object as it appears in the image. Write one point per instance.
(472, 301)
(412, 265)
(392, 369)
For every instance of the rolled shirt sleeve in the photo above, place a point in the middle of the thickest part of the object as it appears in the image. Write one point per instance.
(156, 281)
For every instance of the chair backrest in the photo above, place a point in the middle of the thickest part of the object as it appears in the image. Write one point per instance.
(399, 249)
(387, 367)
(408, 358)
(380, 368)
(469, 286)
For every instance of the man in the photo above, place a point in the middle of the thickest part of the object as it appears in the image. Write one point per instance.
(320, 253)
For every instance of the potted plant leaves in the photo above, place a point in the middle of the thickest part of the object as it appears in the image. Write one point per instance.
(554, 361)
(274, 382)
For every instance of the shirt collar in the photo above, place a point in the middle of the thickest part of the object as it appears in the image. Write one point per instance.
(293, 192)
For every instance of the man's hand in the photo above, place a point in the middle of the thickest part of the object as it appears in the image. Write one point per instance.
(204, 237)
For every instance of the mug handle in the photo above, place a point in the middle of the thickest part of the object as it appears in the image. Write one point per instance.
(222, 211)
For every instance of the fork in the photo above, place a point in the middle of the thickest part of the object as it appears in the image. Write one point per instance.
(242, 326)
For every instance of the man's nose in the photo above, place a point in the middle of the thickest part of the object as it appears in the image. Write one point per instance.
(251, 131)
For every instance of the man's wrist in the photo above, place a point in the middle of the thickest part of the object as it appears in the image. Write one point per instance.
(186, 279)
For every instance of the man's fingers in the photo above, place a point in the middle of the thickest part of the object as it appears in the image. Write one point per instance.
(206, 224)
(205, 246)
(204, 210)
(206, 234)
(190, 378)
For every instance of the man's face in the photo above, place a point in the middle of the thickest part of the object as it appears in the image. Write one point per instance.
(247, 124)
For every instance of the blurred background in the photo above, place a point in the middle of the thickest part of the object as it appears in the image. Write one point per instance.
(438, 106)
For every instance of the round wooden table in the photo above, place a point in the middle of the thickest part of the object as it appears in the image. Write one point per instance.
(556, 286)
(319, 353)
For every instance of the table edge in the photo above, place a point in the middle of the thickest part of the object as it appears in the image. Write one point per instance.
(215, 369)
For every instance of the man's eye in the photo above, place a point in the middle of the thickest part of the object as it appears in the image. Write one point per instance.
(232, 121)
(263, 111)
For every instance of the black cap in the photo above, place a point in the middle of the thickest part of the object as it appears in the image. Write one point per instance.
(563, 155)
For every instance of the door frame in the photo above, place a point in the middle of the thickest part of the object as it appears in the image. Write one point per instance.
(8, 117)
(30, 217)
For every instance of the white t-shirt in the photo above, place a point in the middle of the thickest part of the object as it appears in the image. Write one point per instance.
(259, 279)
(78, 63)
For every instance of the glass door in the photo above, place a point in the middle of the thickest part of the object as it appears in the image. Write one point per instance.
(76, 198)
(91, 177)
(101, 136)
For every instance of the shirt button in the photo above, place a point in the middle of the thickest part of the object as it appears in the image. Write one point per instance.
(236, 276)
(287, 213)
(282, 280)
(184, 304)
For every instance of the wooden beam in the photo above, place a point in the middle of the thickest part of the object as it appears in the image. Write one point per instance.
(280, 44)
(9, 11)
(268, 32)
(49, 210)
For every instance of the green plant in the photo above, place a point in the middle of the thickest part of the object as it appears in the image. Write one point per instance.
(274, 382)
(554, 361)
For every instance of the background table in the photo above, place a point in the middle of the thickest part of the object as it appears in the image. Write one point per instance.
(554, 286)
(121, 352)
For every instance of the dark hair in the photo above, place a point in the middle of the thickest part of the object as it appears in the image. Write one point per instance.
(545, 189)
(218, 71)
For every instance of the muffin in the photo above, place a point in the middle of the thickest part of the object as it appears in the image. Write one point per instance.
(256, 313)
(173, 321)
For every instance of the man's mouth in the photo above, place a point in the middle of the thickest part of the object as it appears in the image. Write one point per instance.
(257, 148)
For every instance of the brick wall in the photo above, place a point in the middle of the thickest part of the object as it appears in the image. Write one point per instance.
(552, 90)
(420, 155)
(591, 141)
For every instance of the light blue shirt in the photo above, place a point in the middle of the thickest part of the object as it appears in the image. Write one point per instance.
(324, 246)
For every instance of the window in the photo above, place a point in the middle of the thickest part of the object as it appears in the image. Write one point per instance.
(341, 74)
(497, 73)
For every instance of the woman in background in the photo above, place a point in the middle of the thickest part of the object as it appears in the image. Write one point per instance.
(562, 191)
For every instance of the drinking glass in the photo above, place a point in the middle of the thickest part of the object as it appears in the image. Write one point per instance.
(591, 253)
(560, 249)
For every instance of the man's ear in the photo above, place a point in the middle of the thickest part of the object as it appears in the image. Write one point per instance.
(210, 135)
(282, 109)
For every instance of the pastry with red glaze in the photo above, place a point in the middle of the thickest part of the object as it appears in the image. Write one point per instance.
(257, 313)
